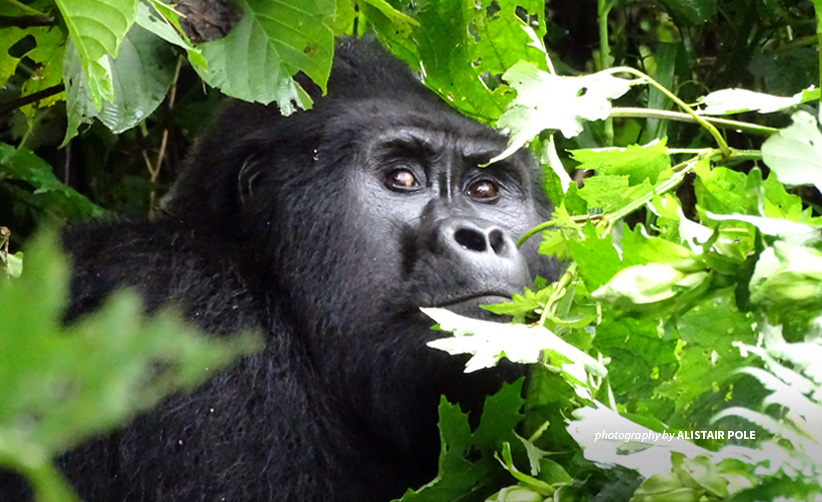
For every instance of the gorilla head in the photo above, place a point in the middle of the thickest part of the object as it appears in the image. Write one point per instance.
(327, 230)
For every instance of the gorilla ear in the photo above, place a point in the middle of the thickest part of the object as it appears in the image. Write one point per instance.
(247, 178)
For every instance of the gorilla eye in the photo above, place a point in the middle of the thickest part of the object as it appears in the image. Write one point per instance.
(401, 180)
(484, 191)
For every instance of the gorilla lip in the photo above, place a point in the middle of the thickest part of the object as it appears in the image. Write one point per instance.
(474, 296)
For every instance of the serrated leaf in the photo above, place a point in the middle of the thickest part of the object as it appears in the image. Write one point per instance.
(466, 463)
(273, 41)
(596, 257)
(638, 162)
(97, 27)
(610, 193)
(794, 154)
(708, 356)
(546, 101)
(489, 342)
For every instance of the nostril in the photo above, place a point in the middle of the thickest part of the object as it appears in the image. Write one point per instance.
(470, 239)
(497, 241)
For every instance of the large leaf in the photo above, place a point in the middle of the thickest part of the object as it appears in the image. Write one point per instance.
(273, 41)
(795, 153)
(552, 102)
(464, 47)
(141, 75)
(97, 27)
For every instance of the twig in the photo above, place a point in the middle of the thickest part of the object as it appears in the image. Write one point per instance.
(684, 117)
(154, 170)
(31, 98)
(25, 21)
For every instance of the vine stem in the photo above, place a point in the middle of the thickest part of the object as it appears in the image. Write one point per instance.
(26, 8)
(720, 141)
(680, 171)
(559, 291)
(684, 117)
(603, 9)
(817, 7)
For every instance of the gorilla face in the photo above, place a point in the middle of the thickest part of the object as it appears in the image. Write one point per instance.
(391, 212)
(436, 227)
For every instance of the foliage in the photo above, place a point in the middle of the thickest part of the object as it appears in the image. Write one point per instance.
(681, 149)
(63, 384)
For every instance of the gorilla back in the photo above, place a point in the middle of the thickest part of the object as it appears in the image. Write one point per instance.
(326, 230)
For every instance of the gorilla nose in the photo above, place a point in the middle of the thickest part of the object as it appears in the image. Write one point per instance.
(483, 250)
(481, 240)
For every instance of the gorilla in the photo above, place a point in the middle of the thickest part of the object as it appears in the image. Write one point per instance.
(326, 231)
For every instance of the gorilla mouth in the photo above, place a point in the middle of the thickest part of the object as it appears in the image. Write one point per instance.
(469, 305)
(481, 298)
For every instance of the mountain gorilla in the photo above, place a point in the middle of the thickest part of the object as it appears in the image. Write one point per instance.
(326, 230)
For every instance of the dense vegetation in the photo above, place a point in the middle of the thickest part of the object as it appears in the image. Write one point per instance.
(681, 148)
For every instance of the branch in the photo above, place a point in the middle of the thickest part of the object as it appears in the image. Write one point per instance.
(25, 21)
(684, 117)
(31, 98)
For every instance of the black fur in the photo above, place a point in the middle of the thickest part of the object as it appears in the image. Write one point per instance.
(287, 225)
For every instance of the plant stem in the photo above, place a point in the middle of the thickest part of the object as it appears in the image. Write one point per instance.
(26, 8)
(559, 292)
(817, 7)
(603, 9)
(684, 117)
(720, 141)
(680, 171)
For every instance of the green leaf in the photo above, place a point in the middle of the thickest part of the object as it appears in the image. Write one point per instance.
(691, 11)
(794, 154)
(610, 193)
(597, 258)
(708, 356)
(51, 46)
(140, 76)
(65, 384)
(638, 162)
(466, 463)
(788, 277)
(97, 27)
(723, 191)
(11, 264)
(22, 164)
(483, 40)
(273, 41)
